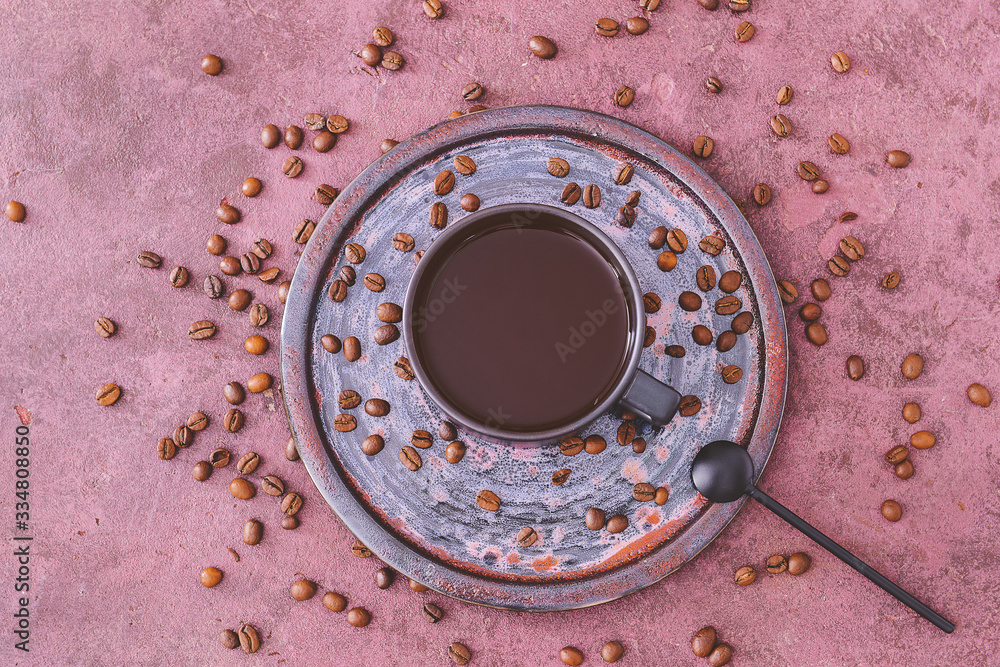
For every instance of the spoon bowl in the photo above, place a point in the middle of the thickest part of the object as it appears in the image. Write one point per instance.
(722, 471)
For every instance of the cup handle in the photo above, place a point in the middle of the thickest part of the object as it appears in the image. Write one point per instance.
(654, 401)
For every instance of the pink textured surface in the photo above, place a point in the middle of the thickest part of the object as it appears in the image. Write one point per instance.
(117, 142)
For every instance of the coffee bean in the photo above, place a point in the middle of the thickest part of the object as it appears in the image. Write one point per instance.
(703, 146)
(253, 532)
(324, 141)
(728, 305)
(325, 194)
(447, 431)
(258, 315)
(713, 85)
(526, 536)
(234, 393)
(315, 122)
(626, 433)
(455, 451)
(291, 504)
(335, 602)
(230, 266)
(852, 248)
(433, 8)
(726, 341)
(922, 440)
(658, 238)
(762, 194)
(781, 125)
(810, 312)
(784, 95)
(798, 563)
(211, 65)
(354, 253)
(623, 173)
(232, 421)
(270, 136)
(838, 144)
(816, 333)
(289, 523)
(374, 282)
(389, 312)
(303, 590)
(651, 302)
(384, 577)
(661, 495)
(617, 523)
(591, 196)
(649, 336)
(459, 654)
(383, 36)
(787, 291)
(730, 281)
(897, 454)
(637, 25)
(840, 62)
(444, 182)
(272, 485)
(409, 458)
(723, 653)
(705, 277)
(292, 166)
(839, 266)
(438, 215)
(210, 577)
(240, 299)
(742, 323)
(377, 407)
(712, 245)
(571, 446)
(649, 5)
(229, 639)
(892, 510)
(283, 290)
(898, 159)
(431, 612)
(403, 369)
(912, 366)
(359, 617)
(820, 289)
(571, 656)
(470, 202)
(227, 214)
(219, 458)
(372, 445)
(633, 199)
(166, 449)
(183, 436)
(643, 492)
(303, 231)
(488, 501)
(560, 476)
(732, 374)
(820, 186)
(557, 167)
(903, 469)
(249, 639)
(979, 395)
(201, 330)
(360, 550)
(387, 333)
(345, 423)
(739, 5)
(703, 642)
(179, 276)
(710, 5)
(639, 445)
(242, 489)
(387, 145)
(606, 27)
(216, 245)
(595, 444)
(744, 32)
(104, 327)
(855, 367)
(542, 47)
(149, 259)
(197, 421)
(256, 345)
(293, 137)
(745, 575)
(676, 351)
(777, 564)
(624, 96)
(594, 519)
(677, 240)
(701, 335)
(807, 171)
(891, 280)
(247, 463)
(392, 61)
(666, 261)
(689, 301)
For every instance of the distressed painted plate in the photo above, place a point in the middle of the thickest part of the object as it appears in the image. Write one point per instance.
(426, 524)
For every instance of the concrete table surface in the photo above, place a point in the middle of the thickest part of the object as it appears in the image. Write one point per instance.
(116, 142)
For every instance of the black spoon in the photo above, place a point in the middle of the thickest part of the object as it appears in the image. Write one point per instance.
(723, 472)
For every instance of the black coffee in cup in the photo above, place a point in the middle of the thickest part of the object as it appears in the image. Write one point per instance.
(521, 324)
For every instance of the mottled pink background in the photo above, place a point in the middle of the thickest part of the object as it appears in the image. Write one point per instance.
(117, 142)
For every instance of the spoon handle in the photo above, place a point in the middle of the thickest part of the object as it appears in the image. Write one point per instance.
(849, 558)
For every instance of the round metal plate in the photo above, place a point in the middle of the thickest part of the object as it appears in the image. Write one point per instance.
(426, 523)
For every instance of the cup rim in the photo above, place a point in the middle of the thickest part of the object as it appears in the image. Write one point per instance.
(608, 248)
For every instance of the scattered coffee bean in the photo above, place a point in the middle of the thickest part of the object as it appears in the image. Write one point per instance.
(739, 5)
(211, 65)
(291, 504)
(249, 638)
(745, 575)
(626, 433)
(459, 654)
(898, 159)
(912, 366)
(781, 125)
(234, 393)
(624, 96)
(713, 85)
(839, 266)
(354, 253)
(290, 522)
(402, 368)
(409, 458)
(253, 532)
(258, 315)
(389, 312)
(732, 374)
(677, 240)
(259, 383)
(666, 261)
(595, 444)
(661, 496)
(723, 653)
(623, 173)
(202, 471)
(798, 563)
(617, 523)
(229, 639)
(903, 469)
(359, 617)
(197, 421)
(270, 136)
(726, 341)
(571, 656)
(149, 259)
(855, 367)
(820, 186)
(377, 407)
(345, 423)
(643, 492)
(325, 194)
(383, 36)
(216, 245)
(742, 323)
(591, 196)
(431, 612)
(438, 215)
(594, 519)
(292, 166)
(210, 577)
(433, 8)
(651, 302)
(852, 248)
(557, 167)
(488, 500)
(571, 446)
(166, 449)
(242, 489)
(897, 454)
(689, 301)
(658, 238)
(374, 282)
(744, 32)
(892, 510)
(816, 333)
(230, 266)
(402, 242)
(633, 198)
(560, 476)
(240, 300)
(387, 333)
(891, 280)
(728, 305)
(820, 289)
(649, 5)
(703, 642)
(922, 440)
(183, 436)
(570, 194)
(703, 146)
(526, 536)
(232, 421)
(272, 485)
(256, 345)
(701, 334)
(392, 61)
(810, 312)
(335, 602)
(247, 463)
(606, 27)
(372, 445)
(293, 137)
(283, 290)
(710, 5)
(787, 291)
(807, 171)
(705, 277)
(455, 451)
(676, 351)
(784, 95)
(639, 445)
(637, 25)
(324, 141)
(777, 564)
(979, 395)
(201, 330)
(840, 62)
(303, 231)
(387, 145)
(360, 550)
(315, 122)
(444, 182)
(470, 202)
(303, 590)
(384, 577)
(227, 214)
(179, 276)
(762, 194)
(712, 245)
(838, 144)
(542, 47)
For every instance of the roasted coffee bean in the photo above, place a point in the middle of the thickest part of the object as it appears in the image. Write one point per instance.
(571, 446)
(383, 36)
(745, 575)
(201, 330)
(560, 476)
(292, 166)
(571, 656)
(701, 335)
(377, 407)
(855, 367)
(852, 248)
(447, 431)
(219, 458)
(348, 275)
(651, 302)
(591, 196)
(570, 194)
(387, 333)
(183, 436)
(912, 366)
(303, 590)
(249, 639)
(840, 62)
(594, 519)
(211, 65)
(335, 602)
(488, 500)
(258, 315)
(838, 144)
(216, 245)
(728, 305)
(810, 312)
(455, 451)
(639, 445)
(557, 166)
(816, 333)
(242, 489)
(403, 369)
(374, 282)
(624, 96)
(798, 563)
(898, 159)
(820, 186)
(649, 5)
(891, 280)
(839, 266)
(360, 550)
(303, 231)
(372, 445)
(903, 469)
(166, 449)
(658, 238)
(633, 199)
(732, 374)
(781, 125)
(637, 25)
(272, 485)
(438, 215)
(703, 146)
(897, 454)
(234, 393)
(472, 91)
(666, 261)
(270, 136)
(433, 8)
(293, 137)
(807, 171)
(324, 141)
(371, 55)
(149, 259)
(892, 510)
(784, 95)
(710, 5)
(617, 523)
(247, 463)
(726, 341)
(643, 492)
(240, 299)
(232, 421)
(315, 122)
(469, 202)
(705, 277)
(230, 266)
(444, 182)
(402, 242)
(283, 290)
(979, 395)
(392, 61)
(820, 289)
(459, 654)
(595, 444)
(197, 421)
(744, 32)
(542, 47)
(787, 291)
(689, 301)
(922, 440)
(229, 639)
(409, 458)
(179, 276)
(762, 194)
(348, 399)
(389, 312)
(742, 323)
(623, 173)
(354, 253)
(703, 642)
(345, 423)
(723, 653)
(677, 240)
(526, 536)
(626, 433)
(713, 85)
(676, 351)
(256, 345)
(649, 336)
(661, 496)
(431, 612)
(291, 504)
(359, 617)
(325, 194)
(384, 577)
(712, 245)
(606, 27)
(730, 281)
(227, 214)
(777, 564)
(104, 327)
(387, 145)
